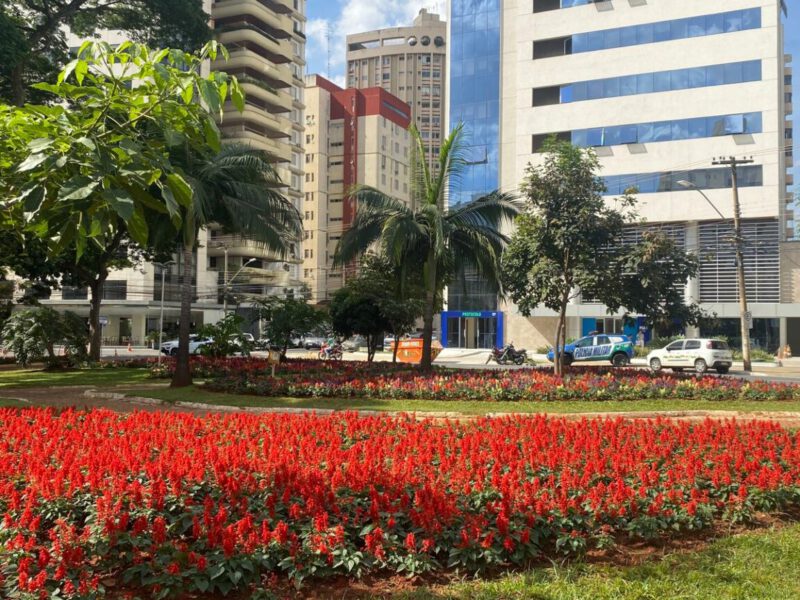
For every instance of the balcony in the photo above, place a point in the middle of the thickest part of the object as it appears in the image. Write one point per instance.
(273, 101)
(239, 246)
(274, 126)
(250, 132)
(279, 19)
(246, 58)
(257, 41)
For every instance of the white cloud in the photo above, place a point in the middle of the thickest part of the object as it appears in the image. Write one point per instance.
(357, 16)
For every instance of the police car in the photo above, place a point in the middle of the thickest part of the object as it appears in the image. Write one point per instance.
(616, 348)
(697, 354)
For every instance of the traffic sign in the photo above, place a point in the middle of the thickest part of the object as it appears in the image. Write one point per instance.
(103, 321)
(748, 318)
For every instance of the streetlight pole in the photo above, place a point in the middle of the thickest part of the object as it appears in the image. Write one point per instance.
(227, 284)
(161, 316)
(737, 234)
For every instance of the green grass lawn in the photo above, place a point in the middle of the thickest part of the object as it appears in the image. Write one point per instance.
(754, 565)
(472, 407)
(11, 403)
(14, 378)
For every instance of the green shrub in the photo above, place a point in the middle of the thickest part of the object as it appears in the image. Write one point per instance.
(32, 335)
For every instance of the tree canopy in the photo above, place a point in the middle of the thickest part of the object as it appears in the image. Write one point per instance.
(33, 45)
(94, 171)
(569, 242)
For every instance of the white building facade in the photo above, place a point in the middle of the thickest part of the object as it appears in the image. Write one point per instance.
(660, 88)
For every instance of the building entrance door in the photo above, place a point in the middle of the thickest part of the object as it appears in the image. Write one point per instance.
(462, 329)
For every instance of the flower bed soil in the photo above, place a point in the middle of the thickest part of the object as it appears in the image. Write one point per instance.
(174, 503)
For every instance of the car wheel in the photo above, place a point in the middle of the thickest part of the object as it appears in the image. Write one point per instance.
(723, 370)
(655, 365)
(173, 352)
(568, 360)
(700, 366)
(620, 359)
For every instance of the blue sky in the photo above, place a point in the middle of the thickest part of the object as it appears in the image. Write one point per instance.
(329, 21)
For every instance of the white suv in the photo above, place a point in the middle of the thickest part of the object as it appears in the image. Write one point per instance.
(699, 355)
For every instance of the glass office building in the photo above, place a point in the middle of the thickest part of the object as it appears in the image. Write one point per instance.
(474, 97)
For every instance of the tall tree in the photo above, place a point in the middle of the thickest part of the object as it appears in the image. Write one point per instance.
(651, 278)
(396, 292)
(33, 45)
(443, 240)
(568, 242)
(239, 190)
(94, 169)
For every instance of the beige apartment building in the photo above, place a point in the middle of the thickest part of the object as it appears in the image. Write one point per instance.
(266, 41)
(353, 137)
(410, 63)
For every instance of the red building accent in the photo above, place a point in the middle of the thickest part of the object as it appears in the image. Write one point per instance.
(349, 105)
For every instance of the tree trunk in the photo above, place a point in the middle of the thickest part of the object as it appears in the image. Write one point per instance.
(561, 339)
(394, 350)
(17, 84)
(427, 316)
(95, 329)
(372, 342)
(183, 373)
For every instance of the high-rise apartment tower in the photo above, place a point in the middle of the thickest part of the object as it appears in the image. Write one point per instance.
(409, 62)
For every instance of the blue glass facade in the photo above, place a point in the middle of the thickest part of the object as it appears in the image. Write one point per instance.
(474, 92)
(668, 131)
(474, 100)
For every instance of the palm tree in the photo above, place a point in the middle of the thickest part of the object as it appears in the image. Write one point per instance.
(237, 189)
(445, 241)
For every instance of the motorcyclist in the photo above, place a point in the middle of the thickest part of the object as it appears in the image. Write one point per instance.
(330, 345)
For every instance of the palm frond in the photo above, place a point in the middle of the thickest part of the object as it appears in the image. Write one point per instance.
(494, 210)
(374, 210)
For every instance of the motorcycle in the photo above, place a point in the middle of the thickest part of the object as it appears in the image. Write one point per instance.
(508, 354)
(333, 352)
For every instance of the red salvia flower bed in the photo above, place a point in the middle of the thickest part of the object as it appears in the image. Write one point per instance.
(173, 503)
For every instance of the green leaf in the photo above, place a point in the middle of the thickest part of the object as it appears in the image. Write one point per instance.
(121, 201)
(81, 68)
(40, 144)
(137, 227)
(237, 95)
(211, 132)
(77, 188)
(32, 198)
(69, 68)
(180, 189)
(188, 93)
(30, 163)
(210, 95)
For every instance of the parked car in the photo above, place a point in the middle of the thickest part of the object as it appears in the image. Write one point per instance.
(697, 354)
(170, 348)
(261, 344)
(615, 348)
(313, 341)
(354, 343)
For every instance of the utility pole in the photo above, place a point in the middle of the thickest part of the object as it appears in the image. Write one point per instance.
(744, 314)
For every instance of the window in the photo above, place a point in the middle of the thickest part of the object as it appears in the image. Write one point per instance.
(692, 345)
(115, 289)
(646, 83)
(648, 33)
(674, 346)
(667, 181)
(73, 293)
